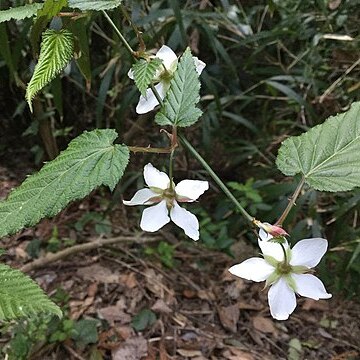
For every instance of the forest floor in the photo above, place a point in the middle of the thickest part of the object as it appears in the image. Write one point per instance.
(201, 310)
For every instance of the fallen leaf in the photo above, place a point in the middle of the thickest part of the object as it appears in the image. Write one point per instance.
(129, 280)
(234, 353)
(229, 317)
(161, 307)
(189, 353)
(99, 273)
(264, 325)
(113, 313)
(132, 349)
(310, 304)
(154, 282)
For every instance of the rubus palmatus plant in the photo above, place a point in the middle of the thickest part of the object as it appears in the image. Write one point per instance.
(325, 157)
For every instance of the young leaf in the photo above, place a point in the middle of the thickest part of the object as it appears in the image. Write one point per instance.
(144, 72)
(57, 49)
(89, 161)
(179, 104)
(97, 5)
(20, 296)
(20, 12)
(327, 155)
(49, 9)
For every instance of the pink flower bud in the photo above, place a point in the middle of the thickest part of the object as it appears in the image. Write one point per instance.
(273, 230)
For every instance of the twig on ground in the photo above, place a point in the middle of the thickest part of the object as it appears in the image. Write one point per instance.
(50, 257)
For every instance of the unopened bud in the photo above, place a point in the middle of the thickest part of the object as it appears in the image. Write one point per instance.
(273, 230)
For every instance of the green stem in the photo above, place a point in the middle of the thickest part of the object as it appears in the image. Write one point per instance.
(284, 251)
(118, 33)
(222, 186)
(171, 161)
(291, 203)
(157, 95)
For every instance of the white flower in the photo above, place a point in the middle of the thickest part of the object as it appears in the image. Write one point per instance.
(164, 192)
(286, 276)
(162, 77)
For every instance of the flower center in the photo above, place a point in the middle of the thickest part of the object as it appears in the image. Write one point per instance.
(169, 195)
(165, 76)
(283, 268)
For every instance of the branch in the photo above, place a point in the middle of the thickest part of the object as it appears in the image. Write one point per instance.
(50, 257)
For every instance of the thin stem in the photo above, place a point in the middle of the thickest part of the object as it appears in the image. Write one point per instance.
(284, 251)
(171, 162)
(136, 149)
(216, 178)
(119, 34)
(291, 202)
(157, 95)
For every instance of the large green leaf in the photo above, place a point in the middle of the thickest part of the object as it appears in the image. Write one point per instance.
(20, 12)
(144, 72)
(57, 49)
(327, 155)
(20, 296)
(89, 161)
(179, 104)
(98, 5)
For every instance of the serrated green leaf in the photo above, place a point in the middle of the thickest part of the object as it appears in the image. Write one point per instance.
(327, 155)
(57, 49)
(20, 12)
(89, 161)
(179, 104)
(144, 72)
(50, 9)
(97, 5)
(20, 296)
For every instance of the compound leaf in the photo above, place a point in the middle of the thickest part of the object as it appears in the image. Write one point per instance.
(143, 72)
(97, 5)
(327, 155)
(20, 296)
(57, 49)
(20, 12)
(89, 161)
(179, 104)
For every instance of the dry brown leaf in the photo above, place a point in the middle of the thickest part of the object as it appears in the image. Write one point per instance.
(113, 313)
(189, 353)
(99, 273)
(264, 325)
(92, 289)
(129, 280)
(161, 307)
(310, 304)
(234, 353)
(154, 282)
(206, 295)
(229, 317)
(235, 288)
(125, 332)
(132, 349)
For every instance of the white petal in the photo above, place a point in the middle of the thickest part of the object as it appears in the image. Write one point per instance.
(168, 57)
(272, 249)
(141, 197)
(186, 220)
(191, 189)
(130, 74)
(310, 286)
(155, 217)
(199, 65)
(282, 300)
(155, 178)
(255, 269)
(308, 252)
(264, 236)
(149, 102)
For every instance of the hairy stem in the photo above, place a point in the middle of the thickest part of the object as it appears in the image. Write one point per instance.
(291, 203)
(211, 172)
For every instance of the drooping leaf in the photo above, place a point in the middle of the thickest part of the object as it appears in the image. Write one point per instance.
(89, 161)
(327, 155)
(97, 5)
(179, 104)
(20, 296)
(20, 12)
(57, 49)
(49, 9)
(144, 72)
